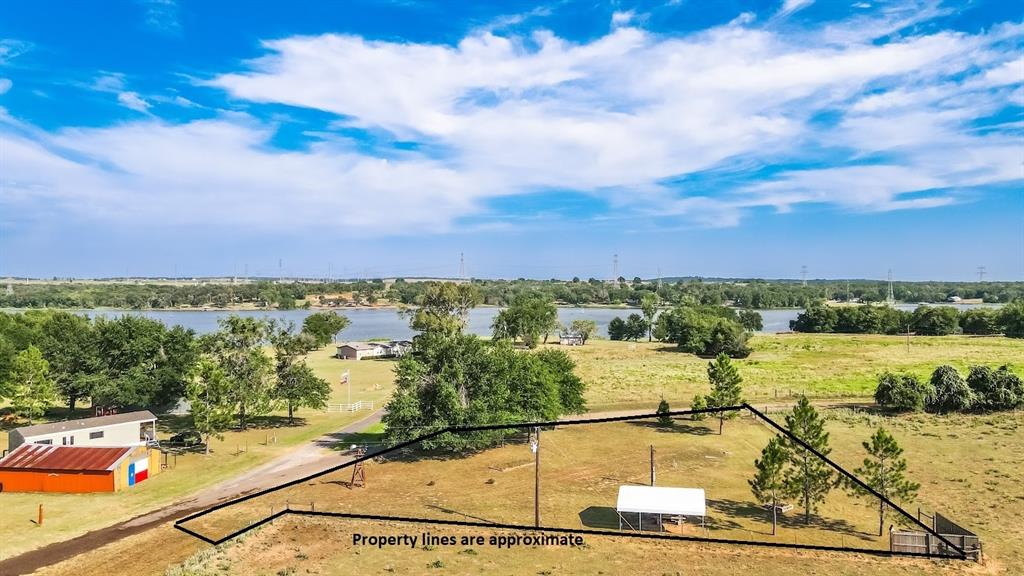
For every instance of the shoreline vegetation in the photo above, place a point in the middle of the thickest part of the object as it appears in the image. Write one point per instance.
(254, 295)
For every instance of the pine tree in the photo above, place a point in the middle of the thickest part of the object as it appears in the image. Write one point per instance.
(725, 382)
(884, 470)
(808, 476)
(663, 417)
(769, 480)
(32, 389)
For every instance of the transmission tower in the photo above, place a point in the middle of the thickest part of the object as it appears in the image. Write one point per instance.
(890, 299)
(981, 273)
(462, 266)
(615, 268)
(803, 275)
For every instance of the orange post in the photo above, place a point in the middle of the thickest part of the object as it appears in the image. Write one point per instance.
(40, 523)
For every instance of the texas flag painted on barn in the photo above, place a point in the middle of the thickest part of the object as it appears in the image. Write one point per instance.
(138, 471)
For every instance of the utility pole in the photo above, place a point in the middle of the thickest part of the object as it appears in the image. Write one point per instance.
(652, 464)
(536, 477)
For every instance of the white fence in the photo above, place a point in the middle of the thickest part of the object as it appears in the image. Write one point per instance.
(354, 407)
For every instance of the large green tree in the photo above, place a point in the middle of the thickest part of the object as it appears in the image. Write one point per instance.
(32, 390)
(585, 328)
(768, 482)
(297, 385)
(324, 326)
(210, 401)
(460, 380)
(884, 470)
(807, 477)
(528, 317)
(443, 307)
(144, 363)
(69, 344)
(649, 306)
(726, 387)
(237, 348)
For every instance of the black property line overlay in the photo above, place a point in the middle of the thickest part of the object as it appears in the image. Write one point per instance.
(960, 554)
(612, 533)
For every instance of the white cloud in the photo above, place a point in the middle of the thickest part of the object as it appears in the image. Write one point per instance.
(791, 6)
(622, 18)
(133, 101)
(11, 49)
(162, 15)
(5, 85)
(618, 117)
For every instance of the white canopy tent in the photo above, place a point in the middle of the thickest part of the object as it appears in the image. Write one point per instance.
(661, 501)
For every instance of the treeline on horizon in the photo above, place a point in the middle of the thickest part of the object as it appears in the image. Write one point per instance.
(757, 294)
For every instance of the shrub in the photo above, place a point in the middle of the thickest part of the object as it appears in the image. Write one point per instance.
(936, 320)
(902, 392)
(979, 321)
(699, 403)
(617, 329)
(950, 393)
(1011, 317)
(995, 389)
(663, 409)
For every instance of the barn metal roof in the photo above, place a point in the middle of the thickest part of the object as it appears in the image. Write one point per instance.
(83, 423)
(63, 458)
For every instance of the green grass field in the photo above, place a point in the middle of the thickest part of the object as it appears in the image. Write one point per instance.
(970, 469)
(631, 375)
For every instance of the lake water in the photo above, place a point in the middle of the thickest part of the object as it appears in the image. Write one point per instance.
(369, 323)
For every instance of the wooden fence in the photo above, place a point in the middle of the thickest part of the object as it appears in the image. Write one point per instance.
(353, 407)
(914, 541)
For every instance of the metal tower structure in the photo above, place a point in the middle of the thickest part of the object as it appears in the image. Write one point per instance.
(890, 299)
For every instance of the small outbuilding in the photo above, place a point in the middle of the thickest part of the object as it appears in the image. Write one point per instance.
(570, 339)
(76, 469)
(127, 429)
(654, 503)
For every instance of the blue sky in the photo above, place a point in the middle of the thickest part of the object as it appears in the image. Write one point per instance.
(727, 138)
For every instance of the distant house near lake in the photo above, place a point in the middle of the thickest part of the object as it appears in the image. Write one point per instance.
(360, 350)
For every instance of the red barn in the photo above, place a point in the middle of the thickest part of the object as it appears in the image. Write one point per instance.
(76, 469)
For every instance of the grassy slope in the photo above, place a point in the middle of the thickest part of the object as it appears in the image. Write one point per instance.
(634, 375)
(625, 374)
(970, 468)
(68, 515)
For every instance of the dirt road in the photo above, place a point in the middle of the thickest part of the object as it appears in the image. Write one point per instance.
(302, 461)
